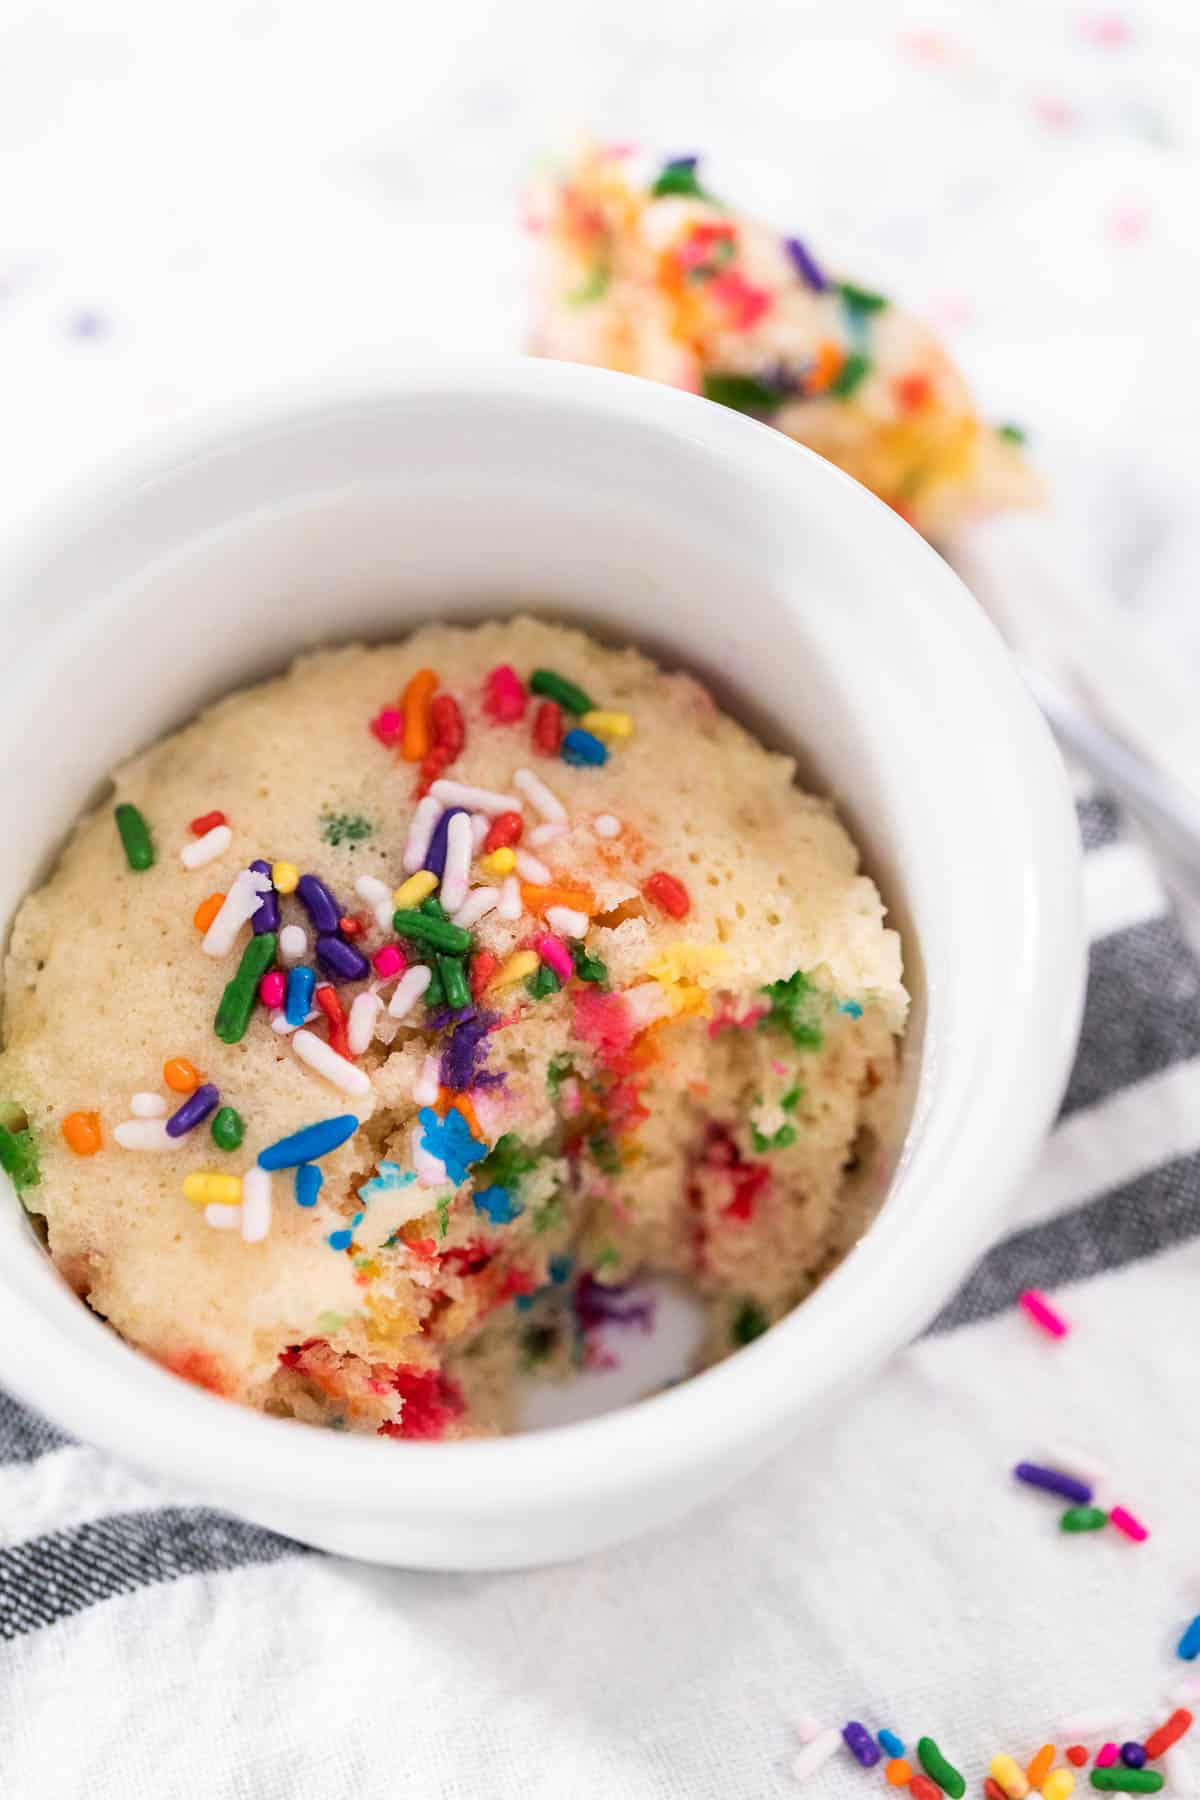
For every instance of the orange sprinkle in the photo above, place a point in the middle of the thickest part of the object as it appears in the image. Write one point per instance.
(913, 391)
(827, 368)
(415, 704)
(898, 1771)
(207, 911)
(181, 1075)
(579, 899)
(1039, 1768)
(82, 1132)
(448, 1098)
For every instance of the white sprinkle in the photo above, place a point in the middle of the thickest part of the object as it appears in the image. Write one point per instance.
(816, 1754)
(1091, 1723)
(808, 1727)
(223, 1218)
(256, 1197)
(544, 803)
(148, 1106)
(323, 1061)
(425, 1087)
(530, 869)
(605, 825)
(203, 850)
(566, 921)
(510, 899)
(416, 844)
(431, 1170)
(378, 896)
(458, 863)
(360, 1026)
(279, 1022)
(546, 834)
(144, 1134)
(238, 908)
(478, 904)
(480, 826)
(409, 988)
(293, 944)
(457, 793)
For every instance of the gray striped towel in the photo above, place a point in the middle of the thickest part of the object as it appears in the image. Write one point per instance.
(886, 1569)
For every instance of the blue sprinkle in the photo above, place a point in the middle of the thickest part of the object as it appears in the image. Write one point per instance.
(310, 1141)
(499, 1205)
(1188, 1646)
(357, 1220)
(340, 1240)
(298, 1004)
(891, 1743)
(852, 1010)
(309, 1181)
(582, 750)
(450, 1140)
(390, 1177)
(559, 1268)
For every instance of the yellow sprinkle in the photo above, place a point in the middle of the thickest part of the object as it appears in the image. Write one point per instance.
(500, 862)
(418, 887)
(1058, 1785)
(1007, 1773)
(285, 875)
(677, 964)
(520, 964)
(206, 1188)
(608, 725)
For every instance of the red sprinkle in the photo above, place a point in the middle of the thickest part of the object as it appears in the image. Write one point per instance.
(482, 967)
(387, 725)
(207, 822)
(667, 893)
(547, 727)
(923, 1789)
(350, 927)
(1168, 1733)
(743, 303)
(449, 732)
(504, 831)
(1078, 1755)
(432, 1401)
(991, 1788)
(504, 697)
(913, 391)
(326, 998)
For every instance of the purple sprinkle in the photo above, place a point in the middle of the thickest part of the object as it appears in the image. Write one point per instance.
(319, 903)
(341, 960)
(464, 1052)
(194, 1110)
(1054, 1482)
(596, 1304)
(87, 325)
(435, 856)
(683, 162)
(860, 1743)
(266, 918)
(804, 265)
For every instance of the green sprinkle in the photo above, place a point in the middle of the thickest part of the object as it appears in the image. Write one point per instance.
(608, 1258)
(943, 1772)
(135, 836)
(542, 982)
(853, 371)
(679, 177)
(587, 967)
(794, 1006)
(435, 993)
(439, 934)
(345, 828)
(604, 1153)
(557, 687)
(443, 1213)
(860, 299)
(1127, 1781)
(741, 392)
(549, 1214)
(791, 1099)
(508, 1159)
(432, 907)
(237, 1002)
(593, 287)
(454, 981)
(557, 1070)
(1083, 1518)
(19, 1157)
(1012, 434)
(779, 1141)
(327, 1322)
(228, 1128)
(749, 1322)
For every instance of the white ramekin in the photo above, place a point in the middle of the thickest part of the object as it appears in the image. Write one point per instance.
(644, 514)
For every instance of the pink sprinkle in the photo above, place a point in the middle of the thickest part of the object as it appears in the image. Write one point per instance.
(555, 956)
(1042, 1313)
(1106, 1756)
(387, 725)
(1129, 224)
(1108, 29)
(1054, 112)
(390, 960)
(271, 988)
(504, 695)
(1125, 1521)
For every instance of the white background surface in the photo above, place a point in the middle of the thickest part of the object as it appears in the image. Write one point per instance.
(200, 201)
